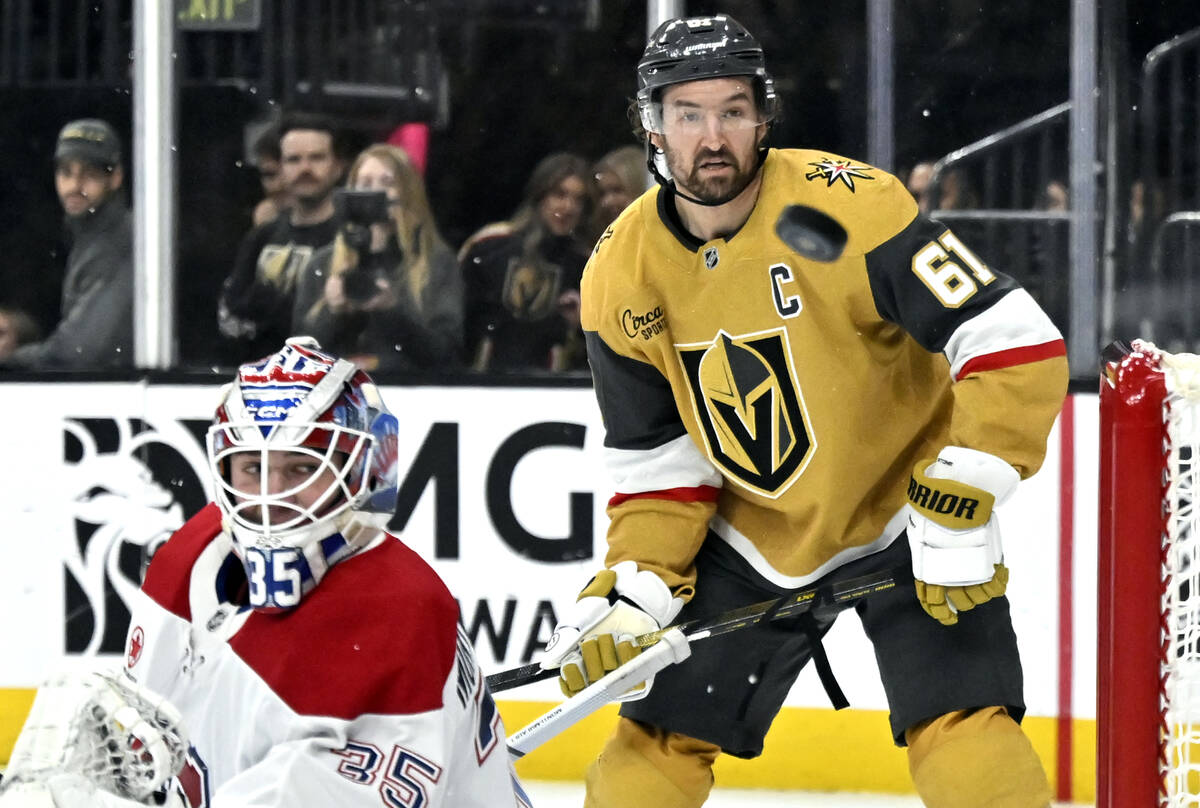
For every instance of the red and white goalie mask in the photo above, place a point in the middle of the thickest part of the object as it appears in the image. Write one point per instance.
(303, 457)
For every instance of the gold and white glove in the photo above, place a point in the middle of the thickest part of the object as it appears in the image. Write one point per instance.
(953, 532)
(598, 634)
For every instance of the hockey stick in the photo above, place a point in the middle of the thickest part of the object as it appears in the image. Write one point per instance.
(669, 647)
(811, 233)
(785, 606)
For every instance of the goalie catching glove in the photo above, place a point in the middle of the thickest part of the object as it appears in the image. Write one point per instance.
(599, 632)
(953, 533)
(96, 739)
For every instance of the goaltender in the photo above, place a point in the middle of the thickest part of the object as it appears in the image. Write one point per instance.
(774, 423)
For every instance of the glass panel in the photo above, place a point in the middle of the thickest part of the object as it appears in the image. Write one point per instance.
(478, 93)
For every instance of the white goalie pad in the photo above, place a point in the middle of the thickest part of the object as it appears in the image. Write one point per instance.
(102, 729)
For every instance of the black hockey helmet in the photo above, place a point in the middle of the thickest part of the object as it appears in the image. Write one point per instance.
(693, 48)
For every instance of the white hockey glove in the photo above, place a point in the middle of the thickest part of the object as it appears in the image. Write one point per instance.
(76, 791)
(953, 534)
(598, 633)
(94, 739)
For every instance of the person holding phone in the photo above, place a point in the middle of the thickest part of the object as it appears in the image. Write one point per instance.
(387, 291)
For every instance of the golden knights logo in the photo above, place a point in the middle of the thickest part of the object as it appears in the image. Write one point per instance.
(833, 170)
(531, 289)
(750, 408)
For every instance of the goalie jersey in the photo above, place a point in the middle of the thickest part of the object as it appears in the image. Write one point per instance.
(781, 402)
(368, 692)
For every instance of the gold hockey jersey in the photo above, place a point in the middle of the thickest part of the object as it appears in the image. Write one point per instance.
(783, 402)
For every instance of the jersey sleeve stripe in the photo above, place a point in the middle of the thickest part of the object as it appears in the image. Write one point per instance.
(674, 464)
(701, 493)
(998, 335)
(1012, 357)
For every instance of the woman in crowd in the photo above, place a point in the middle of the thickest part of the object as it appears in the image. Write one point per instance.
(387, 292)
(522, 276)
(620, 177)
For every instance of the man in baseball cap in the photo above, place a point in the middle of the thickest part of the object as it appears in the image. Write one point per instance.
(91, 140)
(96, 328)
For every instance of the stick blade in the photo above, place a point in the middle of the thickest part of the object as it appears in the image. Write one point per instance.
(811, 233)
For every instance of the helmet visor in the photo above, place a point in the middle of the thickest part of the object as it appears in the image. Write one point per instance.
(672, 114)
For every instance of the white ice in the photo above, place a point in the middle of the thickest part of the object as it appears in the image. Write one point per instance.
(570, 795)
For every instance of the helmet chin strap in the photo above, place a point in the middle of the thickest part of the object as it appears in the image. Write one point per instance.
(654, 155)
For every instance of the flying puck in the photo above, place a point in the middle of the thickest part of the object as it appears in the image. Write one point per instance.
(811, 233)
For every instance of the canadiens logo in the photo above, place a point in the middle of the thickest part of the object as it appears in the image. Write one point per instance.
(833, 170)
(749, 406)
(711, 258)
(137, 641)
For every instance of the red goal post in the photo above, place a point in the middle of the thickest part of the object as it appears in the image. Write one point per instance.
(1148, 666)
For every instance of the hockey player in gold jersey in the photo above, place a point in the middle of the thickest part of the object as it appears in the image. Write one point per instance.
(773, 422)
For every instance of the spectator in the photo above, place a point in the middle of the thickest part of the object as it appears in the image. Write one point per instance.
(254, 311)
(1054, 196)
(917, 183)
(387, 293)
(522, 276)
(1050, 252)
(17, 328)
(954, 191)
(267, 160)
(620, 178)
(96, 329)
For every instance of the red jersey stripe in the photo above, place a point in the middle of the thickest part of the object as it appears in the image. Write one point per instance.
(1012, 357)
(700, 493)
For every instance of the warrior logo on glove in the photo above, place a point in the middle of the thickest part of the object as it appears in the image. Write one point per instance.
(953, 532)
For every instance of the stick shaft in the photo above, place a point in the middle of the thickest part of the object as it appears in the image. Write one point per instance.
(673, 648)
(791, 605)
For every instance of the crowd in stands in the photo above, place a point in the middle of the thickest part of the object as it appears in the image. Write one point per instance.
(345, 248)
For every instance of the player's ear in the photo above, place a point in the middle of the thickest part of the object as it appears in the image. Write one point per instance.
(116, 177)
(656, 140)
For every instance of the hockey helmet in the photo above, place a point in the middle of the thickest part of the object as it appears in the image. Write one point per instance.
(302, 452)
(694, 48)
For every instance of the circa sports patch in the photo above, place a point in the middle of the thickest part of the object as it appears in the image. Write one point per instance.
(832, 171)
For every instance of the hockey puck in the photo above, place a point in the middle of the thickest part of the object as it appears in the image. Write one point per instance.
(811, 233)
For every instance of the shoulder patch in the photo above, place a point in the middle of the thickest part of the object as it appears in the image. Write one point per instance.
(643, 318)
(834, 170)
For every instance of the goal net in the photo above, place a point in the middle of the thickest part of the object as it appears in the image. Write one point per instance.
(1148, 710)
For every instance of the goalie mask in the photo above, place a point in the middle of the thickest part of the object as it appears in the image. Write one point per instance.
(303, 456)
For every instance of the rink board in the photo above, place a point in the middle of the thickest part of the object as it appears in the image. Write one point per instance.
(505, 497)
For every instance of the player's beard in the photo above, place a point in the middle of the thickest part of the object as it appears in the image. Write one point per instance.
(711, 190)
